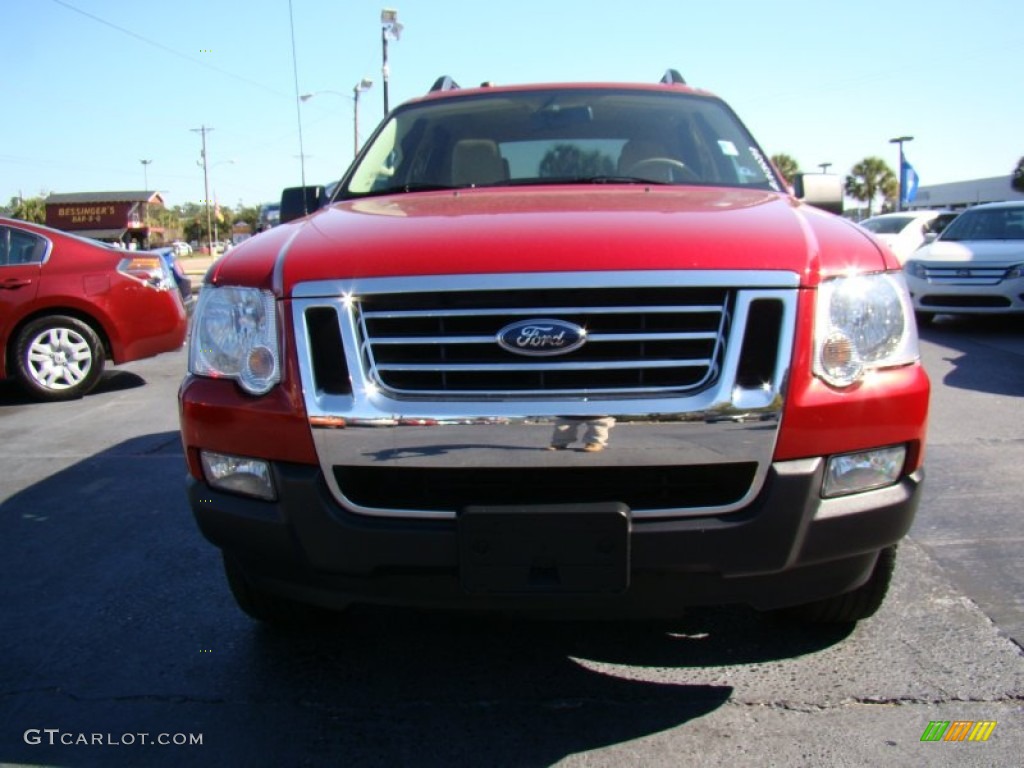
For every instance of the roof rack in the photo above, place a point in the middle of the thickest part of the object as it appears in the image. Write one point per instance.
(672, 77)
(444, 83)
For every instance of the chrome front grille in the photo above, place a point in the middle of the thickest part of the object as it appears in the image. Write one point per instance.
(966, 274)
(638, 341)
(647, 334)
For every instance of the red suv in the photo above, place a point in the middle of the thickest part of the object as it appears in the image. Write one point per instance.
(67, 304)
(558, 349)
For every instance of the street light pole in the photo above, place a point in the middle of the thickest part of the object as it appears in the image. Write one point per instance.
(388, 26)
(824, 167)
(362, 85)
(900, 140)
(145, 188)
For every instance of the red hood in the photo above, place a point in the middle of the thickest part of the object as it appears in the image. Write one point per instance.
(554, 229)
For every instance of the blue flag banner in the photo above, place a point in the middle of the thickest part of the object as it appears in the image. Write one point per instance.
(908, 182)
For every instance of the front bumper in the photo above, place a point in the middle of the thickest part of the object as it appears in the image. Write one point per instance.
(787, 547)
(977, 290)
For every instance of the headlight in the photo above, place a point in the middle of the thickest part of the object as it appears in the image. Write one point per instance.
(863, 322)
(916, 269)
(234, 336)
(1014, 272)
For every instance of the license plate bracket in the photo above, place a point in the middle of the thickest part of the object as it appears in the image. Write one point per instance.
(545, 549)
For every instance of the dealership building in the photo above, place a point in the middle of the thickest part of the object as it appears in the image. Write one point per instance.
(963, 194)
(115, 217)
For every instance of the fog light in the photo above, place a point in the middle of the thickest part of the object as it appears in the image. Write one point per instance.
(238, 474)
(864, 471)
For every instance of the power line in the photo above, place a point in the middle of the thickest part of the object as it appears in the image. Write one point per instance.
(169, 50)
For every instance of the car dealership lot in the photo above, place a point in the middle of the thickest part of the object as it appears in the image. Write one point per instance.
(116, 623)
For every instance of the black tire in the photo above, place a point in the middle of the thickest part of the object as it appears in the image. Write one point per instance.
(850, 607)
(58, 358)
(269, 608)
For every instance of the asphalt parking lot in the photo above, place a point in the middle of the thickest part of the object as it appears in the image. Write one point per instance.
(118, 628)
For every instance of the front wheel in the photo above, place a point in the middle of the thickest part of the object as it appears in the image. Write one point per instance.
(852, 606)
(58, 358)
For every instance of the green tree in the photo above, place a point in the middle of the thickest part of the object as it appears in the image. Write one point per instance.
(1017, 182)
(786, 165)
(164, 223)
(566, 161)
(250, 214)
(28, 209)
(870, 178)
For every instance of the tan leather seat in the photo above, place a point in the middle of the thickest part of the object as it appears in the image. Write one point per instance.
(477, 161)
(638, 150)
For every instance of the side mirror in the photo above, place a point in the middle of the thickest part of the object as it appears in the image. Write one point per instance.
(822, 190)
(297, 202)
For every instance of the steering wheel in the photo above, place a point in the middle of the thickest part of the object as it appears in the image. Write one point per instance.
(669, 165)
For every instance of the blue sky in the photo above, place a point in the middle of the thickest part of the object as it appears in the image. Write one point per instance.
(94, 86)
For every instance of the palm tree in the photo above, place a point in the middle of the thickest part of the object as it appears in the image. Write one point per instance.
(869, 178)
(31, 209)
(786, 165)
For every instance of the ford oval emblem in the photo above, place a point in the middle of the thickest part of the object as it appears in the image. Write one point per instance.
(541, 338)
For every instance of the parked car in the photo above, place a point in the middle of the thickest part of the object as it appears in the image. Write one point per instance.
(907, 231)
(169, 254)
(181, 248)
(976, 266)
(68, 304)
(382, 395)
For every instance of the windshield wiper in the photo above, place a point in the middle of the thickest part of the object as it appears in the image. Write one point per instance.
(412, 186)
(620, 180)
(555, 180)
(418, 186)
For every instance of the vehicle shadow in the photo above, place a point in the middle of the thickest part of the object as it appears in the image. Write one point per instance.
(117, 381)
(113, 380)
(525, 693)
(976, 368)
(118, 621)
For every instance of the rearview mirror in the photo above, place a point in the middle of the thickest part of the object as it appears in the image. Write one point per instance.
(297, 202)
(822, 190)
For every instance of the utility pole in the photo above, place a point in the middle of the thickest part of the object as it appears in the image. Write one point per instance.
(206, 188)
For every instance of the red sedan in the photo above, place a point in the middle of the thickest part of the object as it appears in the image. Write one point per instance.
(68, 304)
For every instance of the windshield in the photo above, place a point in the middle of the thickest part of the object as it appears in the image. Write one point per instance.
(987, 224)
(558, 136)
(889, 225)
